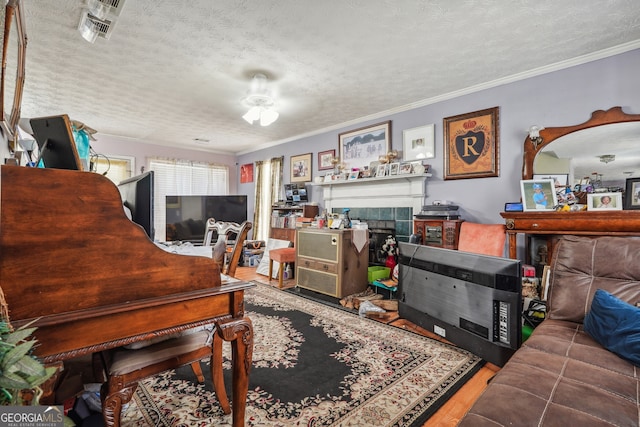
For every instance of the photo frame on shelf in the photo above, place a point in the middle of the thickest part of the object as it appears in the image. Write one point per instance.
(418, 143)
(471, 145)
(559, 180)
(538, 194)
(325, 158)
(353, 175)
(632, 194)
(381, 170)
(405, 168)
(394, 168)
(360, 147)
(604, 201)
(301, 168)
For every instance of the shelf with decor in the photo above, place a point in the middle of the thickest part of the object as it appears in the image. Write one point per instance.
(283, 220)
(373, 180)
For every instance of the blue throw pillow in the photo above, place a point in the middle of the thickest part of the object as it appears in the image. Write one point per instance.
(615, 324)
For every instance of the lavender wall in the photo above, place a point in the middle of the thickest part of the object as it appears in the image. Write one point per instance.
(559, 98)
(112, 146)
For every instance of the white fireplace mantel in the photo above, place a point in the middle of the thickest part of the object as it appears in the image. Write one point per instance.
(391, 191)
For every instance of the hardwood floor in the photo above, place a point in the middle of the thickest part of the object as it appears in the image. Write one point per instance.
(455, 408)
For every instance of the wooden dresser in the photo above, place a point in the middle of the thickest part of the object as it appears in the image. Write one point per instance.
(589, 223)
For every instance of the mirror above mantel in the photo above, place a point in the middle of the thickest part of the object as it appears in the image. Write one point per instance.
(14, 44)
(606, 146)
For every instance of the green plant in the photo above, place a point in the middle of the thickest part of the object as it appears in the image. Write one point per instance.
(19, 369)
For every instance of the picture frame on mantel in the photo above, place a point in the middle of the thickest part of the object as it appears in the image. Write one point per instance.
(632, 194)
(418, 143)
(301, 168)
(359, 147)
(471, 144)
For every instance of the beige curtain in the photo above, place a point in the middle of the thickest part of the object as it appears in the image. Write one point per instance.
(268, 189)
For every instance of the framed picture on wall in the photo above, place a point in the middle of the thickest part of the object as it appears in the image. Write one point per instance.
(301, 168)
(325, 159)
(418, 143)
(360, 147)
(471, 145)
(246, 173)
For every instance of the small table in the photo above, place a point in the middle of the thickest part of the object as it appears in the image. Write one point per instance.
(281, 256)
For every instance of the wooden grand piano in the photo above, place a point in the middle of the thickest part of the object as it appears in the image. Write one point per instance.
(70, 258)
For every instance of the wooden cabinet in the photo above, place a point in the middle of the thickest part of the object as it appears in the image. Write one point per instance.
(283, 220)
(328, 262)
(443, 233)
(589, 223)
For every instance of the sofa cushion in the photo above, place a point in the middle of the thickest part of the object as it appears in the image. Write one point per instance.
(581, 265)
(615, 324)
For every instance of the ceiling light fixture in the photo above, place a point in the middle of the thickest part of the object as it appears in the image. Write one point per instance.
(606, 158)
(260, 102)
(98, 18)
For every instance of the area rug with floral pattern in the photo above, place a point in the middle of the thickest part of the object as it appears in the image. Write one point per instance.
(315, 364)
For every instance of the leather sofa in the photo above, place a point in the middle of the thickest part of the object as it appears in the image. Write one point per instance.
(561, 376)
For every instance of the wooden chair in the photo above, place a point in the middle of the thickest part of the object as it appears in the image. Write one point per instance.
(485, 239)
(226, 231)
(124, 367)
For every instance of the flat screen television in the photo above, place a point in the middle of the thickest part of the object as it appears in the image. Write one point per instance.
(137, 196)
(296, 193)
(187, 215)
(472, 300)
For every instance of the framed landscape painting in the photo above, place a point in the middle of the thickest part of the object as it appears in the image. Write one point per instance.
(359, 147)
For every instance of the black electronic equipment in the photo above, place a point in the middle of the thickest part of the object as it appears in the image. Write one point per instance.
(56, 145)
(137, 196)
(186, 216)
(469, 299)
(513, 207)
(438, 211)
(296, 193)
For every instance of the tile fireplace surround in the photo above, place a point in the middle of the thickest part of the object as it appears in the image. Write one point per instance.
(390, 198)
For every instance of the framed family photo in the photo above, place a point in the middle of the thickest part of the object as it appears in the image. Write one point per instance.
(360, 147)
(632, 194)
(325, 158)
(471, 145)
(301, 168)
(604, 201)
(418, 143)
(538, 195)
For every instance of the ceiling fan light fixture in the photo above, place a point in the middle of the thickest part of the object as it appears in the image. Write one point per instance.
(260, 102)
(268, 116)
(252, 115)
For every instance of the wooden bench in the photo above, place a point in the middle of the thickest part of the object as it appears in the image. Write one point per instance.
(281, 256)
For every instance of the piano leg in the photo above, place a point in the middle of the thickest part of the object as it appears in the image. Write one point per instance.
(240, 333)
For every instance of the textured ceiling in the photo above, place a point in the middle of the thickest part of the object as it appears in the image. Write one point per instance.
(176, 71)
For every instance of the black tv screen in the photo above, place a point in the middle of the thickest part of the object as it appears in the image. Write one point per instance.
(137, 196)
(187, 215)
(472, 300)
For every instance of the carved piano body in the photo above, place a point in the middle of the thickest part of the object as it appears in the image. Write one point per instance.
(70, 258)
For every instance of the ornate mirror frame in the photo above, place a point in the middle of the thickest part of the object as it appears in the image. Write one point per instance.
(548, 135)
(10, 113)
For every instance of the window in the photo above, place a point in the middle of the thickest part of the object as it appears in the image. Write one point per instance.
(184, 178)
(116, 168)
